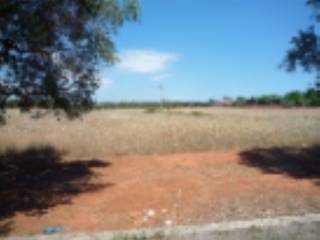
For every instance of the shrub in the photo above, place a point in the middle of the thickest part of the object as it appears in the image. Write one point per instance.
(241, 101)
(197, 113)
(151, 110)
(294, 98)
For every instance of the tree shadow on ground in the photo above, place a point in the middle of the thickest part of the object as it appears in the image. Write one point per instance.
(36, 179)
(5, 228)
(299, 163)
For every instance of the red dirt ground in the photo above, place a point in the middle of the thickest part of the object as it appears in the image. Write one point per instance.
(184, 188)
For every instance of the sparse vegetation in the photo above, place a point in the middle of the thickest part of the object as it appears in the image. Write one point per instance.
(131, 131)
(152, 110)
(198, 113)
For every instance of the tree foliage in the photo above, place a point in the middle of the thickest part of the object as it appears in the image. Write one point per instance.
(305, 50)
(50, 50)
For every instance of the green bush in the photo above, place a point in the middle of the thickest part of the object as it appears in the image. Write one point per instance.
(198, 113)
(294, 98)
(241, 101)
(151, 110)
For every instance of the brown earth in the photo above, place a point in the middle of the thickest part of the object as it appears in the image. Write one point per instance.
(186, 188)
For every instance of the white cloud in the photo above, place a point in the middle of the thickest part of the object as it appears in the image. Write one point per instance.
(105, 81)
(146, 61)
(160, 77)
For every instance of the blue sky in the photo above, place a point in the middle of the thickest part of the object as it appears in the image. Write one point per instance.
(202, 49)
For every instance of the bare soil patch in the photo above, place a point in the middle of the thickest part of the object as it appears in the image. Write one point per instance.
(144, 191)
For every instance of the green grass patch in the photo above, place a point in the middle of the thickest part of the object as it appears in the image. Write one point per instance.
(198, 114)
(152, 110)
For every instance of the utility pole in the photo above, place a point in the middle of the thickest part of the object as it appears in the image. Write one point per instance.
(317, 62)
(161, 89)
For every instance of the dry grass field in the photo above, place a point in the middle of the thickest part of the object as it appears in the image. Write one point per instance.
(127, 132)
(122, 169)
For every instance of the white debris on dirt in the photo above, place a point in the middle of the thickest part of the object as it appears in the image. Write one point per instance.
(168, 222)
(163, 210)
(151, 212)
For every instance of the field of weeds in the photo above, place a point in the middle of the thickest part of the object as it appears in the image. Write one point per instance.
(139, 132)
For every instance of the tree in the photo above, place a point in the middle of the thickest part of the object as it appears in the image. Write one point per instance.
(50, 50)
(305, 51)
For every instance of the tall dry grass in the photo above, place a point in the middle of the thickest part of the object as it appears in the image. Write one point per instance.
(112, 132)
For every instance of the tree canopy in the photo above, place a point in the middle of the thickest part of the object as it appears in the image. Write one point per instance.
(50, 50)
(305, 50)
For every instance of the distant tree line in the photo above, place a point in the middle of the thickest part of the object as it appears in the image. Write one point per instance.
(153, 104)
(128, 104)
(310, 98)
